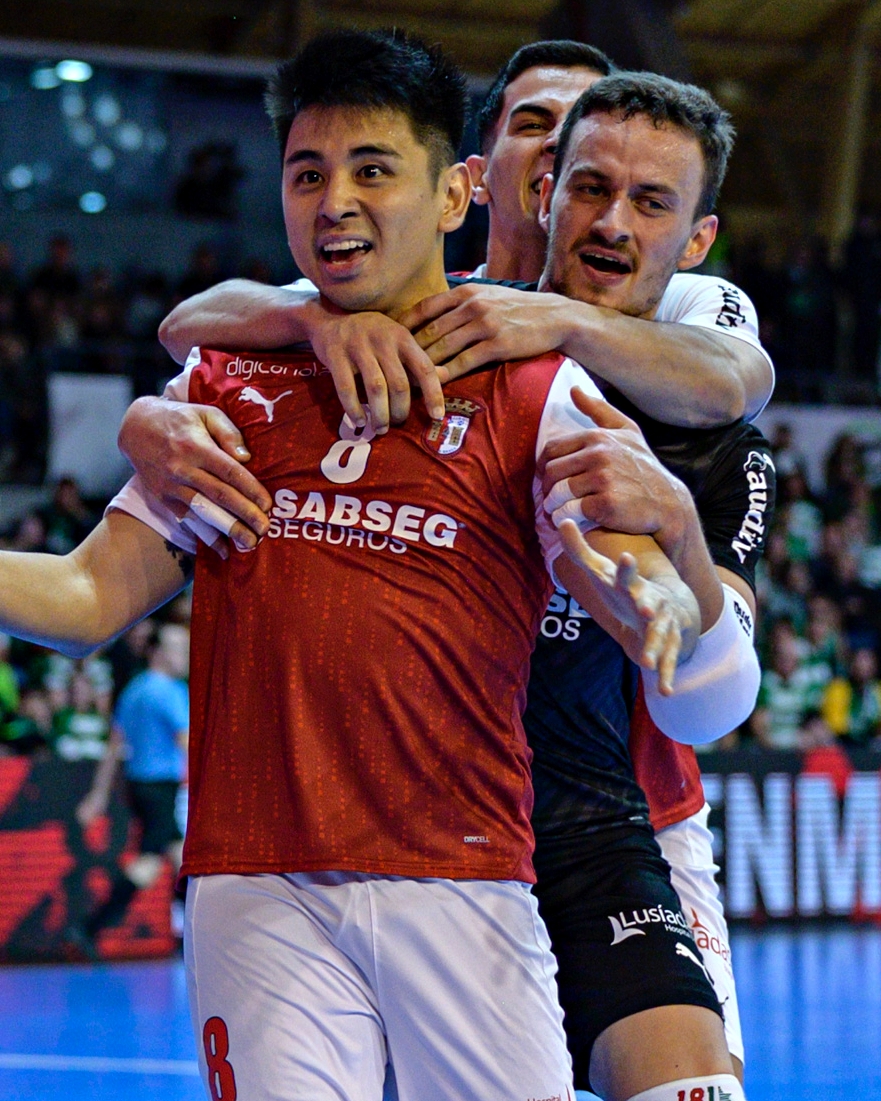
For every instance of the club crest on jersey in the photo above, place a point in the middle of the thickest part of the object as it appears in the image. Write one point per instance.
(446, 437)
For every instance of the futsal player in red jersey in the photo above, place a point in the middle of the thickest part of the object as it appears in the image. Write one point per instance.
(707, 366)
(359, 840)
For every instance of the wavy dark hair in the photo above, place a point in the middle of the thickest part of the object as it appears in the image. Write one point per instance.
(374, 70)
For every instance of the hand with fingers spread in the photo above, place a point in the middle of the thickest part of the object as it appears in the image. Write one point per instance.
(475, 324)
(190, 457)
(609, 475)
(385, 355)
(241, 314)
(658, 620)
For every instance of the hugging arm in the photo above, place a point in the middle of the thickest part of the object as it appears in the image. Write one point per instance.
(247, 315)
(679, 373)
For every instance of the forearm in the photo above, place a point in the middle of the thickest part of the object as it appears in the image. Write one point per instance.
(78, 601)
(680, 374)
(238, 314)
(681, 538)
(47, 599)
(105, 773)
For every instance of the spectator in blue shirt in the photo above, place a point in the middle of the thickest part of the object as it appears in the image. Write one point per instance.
(149, 737)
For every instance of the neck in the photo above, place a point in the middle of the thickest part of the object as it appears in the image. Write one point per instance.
(431, 280)
(510, 258)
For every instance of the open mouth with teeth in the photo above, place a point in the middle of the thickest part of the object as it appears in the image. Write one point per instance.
(607, 265)
(338, 252)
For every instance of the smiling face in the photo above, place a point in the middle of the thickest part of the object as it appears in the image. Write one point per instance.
(621, 217)
(364, 216)
(508, 177)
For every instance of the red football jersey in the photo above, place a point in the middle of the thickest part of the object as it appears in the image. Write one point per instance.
(667, 771)
(357, 681)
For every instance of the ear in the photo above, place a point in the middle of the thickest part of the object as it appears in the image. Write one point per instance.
(456, 184)
(544, 201)
(703, 234)
(477, 168)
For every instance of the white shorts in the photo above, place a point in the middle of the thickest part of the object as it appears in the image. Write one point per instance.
(688, 848)
(305, 987)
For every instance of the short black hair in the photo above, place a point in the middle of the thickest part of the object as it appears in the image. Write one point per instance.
(374, 70)
(562, 53)
(665, 102)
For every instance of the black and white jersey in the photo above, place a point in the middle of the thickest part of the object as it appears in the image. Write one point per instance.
(582, 685)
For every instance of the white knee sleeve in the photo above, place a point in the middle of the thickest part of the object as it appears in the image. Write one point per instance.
(715, 690)
(713, 1087)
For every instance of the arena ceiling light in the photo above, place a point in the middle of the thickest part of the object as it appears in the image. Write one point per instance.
(74, 71)
(73, 103)
(107, 109)
(44, 77)
(129, 136)
(92, 202)
(102, 158)
(19, 177)
(82, 133)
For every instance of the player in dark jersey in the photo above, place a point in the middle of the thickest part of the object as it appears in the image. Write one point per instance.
(524, 107)
(292, 981)
(590, 815)
(596, 863)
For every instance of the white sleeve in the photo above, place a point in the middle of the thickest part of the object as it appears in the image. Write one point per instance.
(178, 388)
(715, 304)
(559, 418)
(134, 499)
(304, 286)
(716, 689)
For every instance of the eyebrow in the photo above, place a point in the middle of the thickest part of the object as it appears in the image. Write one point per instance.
(300, 155)
(602, 177)
(531, 109)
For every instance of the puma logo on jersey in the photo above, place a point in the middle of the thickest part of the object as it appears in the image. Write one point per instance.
(619, 933)
(684, 950)
(254, 396)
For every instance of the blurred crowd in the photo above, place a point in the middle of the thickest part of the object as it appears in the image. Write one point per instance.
(61, 318)
(819, 321)
(819, 601)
